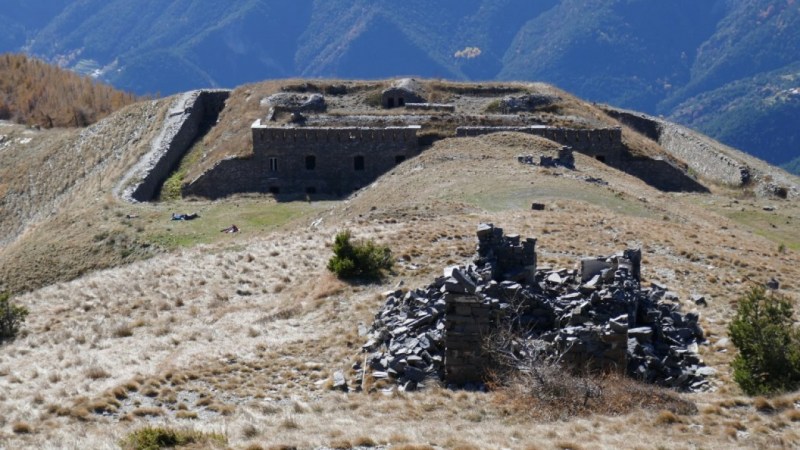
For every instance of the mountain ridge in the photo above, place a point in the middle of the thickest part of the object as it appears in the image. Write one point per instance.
(632, 54)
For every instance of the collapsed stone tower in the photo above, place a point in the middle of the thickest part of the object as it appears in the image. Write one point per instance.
(596, 316)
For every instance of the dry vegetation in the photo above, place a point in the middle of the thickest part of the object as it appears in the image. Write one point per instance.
(33, 92)
(240, 338)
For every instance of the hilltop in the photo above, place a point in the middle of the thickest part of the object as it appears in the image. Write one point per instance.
(140, 320)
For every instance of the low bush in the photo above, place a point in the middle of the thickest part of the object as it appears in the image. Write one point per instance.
(155, 438)
(769, 345)
(358, 259)
(11, 317)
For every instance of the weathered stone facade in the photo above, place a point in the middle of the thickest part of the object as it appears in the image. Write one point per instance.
(308, 160)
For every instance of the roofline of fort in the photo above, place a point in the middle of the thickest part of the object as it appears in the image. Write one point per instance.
(259, 124)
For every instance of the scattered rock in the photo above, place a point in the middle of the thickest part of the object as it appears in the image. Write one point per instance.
(288, 101)
(699, 300)
(526, 103)
(773, 284)
(339, 381)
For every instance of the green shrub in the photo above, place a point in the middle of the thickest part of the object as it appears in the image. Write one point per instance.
(11, 317)
(360, 259)
(768, 344)
(155, 438)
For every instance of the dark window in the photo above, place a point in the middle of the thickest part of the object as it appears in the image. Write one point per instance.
(311, 162)
(600, 158)
(358, 163)
(274, 190)
(401, 101)
(273, 164)
(399, 158)
(311, 190)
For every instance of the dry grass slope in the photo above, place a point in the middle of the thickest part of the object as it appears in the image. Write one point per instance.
(239, 335)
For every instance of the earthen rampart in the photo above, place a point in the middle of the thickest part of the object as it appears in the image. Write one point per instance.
(604, 144)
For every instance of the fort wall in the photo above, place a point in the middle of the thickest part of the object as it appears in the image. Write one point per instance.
(689, 147)
(192, 115)
(306, 160)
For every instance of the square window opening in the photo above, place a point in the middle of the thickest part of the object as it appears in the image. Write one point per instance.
(358, 163)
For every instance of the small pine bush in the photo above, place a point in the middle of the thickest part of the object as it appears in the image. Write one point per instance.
(769, 345)
(358, 259)
(11, 317)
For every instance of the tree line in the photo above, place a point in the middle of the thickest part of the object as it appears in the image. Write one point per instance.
(35, 93)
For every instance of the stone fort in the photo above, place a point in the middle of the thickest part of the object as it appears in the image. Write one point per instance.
(300, 150)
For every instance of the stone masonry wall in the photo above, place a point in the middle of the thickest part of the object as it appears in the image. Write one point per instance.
(698, 154)
(702, 158)
(191, 113)
(605, 143)
(306, 160)
(467, 320)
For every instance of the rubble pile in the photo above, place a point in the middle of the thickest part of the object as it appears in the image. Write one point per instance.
(527, 103)
(287, 101)
(565, 158)
(596, 315)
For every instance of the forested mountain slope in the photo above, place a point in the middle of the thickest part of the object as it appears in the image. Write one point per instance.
(724, 67)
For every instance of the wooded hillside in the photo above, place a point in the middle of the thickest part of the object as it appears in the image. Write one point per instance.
(33, 92)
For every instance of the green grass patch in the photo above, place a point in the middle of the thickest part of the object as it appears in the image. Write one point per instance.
(778, 228)
(171, 189)
(250, 215)
(155, 438)
(515, 198)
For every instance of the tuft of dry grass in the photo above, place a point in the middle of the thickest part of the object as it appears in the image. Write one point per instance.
(22, 428)
(341, 444)
(609, 394)
(96, 373)
(249, 431)
(667, 418)
(189, 415)
(568, 445)
(147, 411)
(763, 405)
(364, 441)
(122, 331)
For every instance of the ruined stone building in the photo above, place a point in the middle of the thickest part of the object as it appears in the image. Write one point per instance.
(401, 93)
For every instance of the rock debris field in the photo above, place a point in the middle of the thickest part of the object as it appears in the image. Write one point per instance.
(597, 314)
